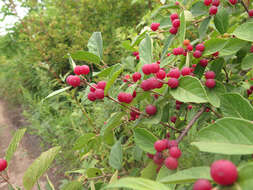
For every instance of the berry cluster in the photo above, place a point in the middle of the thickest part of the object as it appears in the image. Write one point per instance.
(174, 18)
(74, 80)
(137, 56)
(210, 82)
(3, 164)
(214, 6)
(97, 91)
(154, 26)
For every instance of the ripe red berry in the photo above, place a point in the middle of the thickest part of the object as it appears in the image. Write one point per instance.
(171, 163)
(173, 17)
(216, 54)
(101, 85)
(213, 10)
(175, 152)
(173, 83)
(207, 110)
(210, 75)
(73, 80)
(126, 78)
(137, 57)
(233, 2)
(216, 3)
(154, 68)
(251, 49)
(161, 74)
(134, 94)
(81, 70)
(210, 83)
(173, 119)
(224, 172)
(186, 71)
(250, 13)
(125, 97)
(197, 54)
(160, 145)
(173, 30)
(178, 107)
(200, 47)
(202, 184)
(92, 96)
(146, 69)
(189, 47)
(176, 3)
(176, 23)
(203, 62)
(77, 70)
(207, 2)
(151, 156)
(189, 107)
(172, 143)
(145, 85)
(168, 136)
(3, 164)
(158, 158)
(194, 65)
(155, 26)
(99, 94)
(249, 92)
(151, 110)
(174, 73)
(93, 87)
(178, 102)
(168, 54)
(135, 53)
(136, 76)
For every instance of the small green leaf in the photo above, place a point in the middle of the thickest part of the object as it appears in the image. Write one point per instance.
(93, 172)
(57, 92)
(73, 185)
(116, 156)
(95, 44)
(221, 21)
(182, 28)
(214, 94)
(145, 50)
(247, 62)
(199, 9)
(86, 56)
(149, 171)
(233, 45)
(204, 27)
(105, 72)
(39, 167)
(168, 43)
(214, 45)
(244, 31)
(114, 121)
(83, 140)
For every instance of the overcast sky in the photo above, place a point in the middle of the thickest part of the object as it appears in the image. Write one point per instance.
(10, 20)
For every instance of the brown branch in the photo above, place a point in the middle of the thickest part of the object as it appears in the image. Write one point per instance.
(245, 7)
(190, 124)
(173, 128)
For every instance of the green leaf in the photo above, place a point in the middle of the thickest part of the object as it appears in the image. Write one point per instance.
(104, 72)
(71, 61)
(95, 44)
(214, 45)
(230, 136)
(182, 28)
(217, 65)
(127, 45)
(233, 45)
(199, 9)
(14, 144)
(86, 56)
(188, 175)
(57, 92)
(49, 183)
(245, 177)
(83, 140)
(244, 31)
(93, 172)
(149, 171)
(247, 62)
(116, 156)
(137, 183)
(145, 140)
(214, 94)
(164, 172)
(190, 89)
(73, 185)
(221, 21)
(234, 105)
(145, 51)
(116, 71)
(168, 43)
(39, 167)
(204, 27)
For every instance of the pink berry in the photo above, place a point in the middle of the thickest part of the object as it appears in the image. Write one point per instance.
(178, 102)
(207, 2)
(173, 83)
(224, 172)
(178, 107)
(207, 110)
(134, 94)
(160, 145)
(99, 94)
(168, 136)
(173, 30)
(145, 85)
(176, 23)
(175, 152)
(233, 2)
(3, 164)
(213, 10)
(251, 49)
(161, 74)
(147, 69)
(174, 73)
(200, 47)
(73, 80)
(216, 54)
(125, 97)
(135, 53)
(250, 13)
(137, 57)
(155, 26)
(197, 54)
(77, 70)
(203, 62)
(136, 76)
(158, 158)
(186, 71)
(154, 67)
(176, 3)
(216, 3)
(92, 96)
(189, 107)
(171, 163)
(168, 54)
(210, 83)
(249, 92)
(172, 143)
(173, 17)
(151, 156)
(93, 87)
(210, 75)
(151, 110)
(189, 47)
(85, 69)
(202, 184)
(101, 85)
(194, 65)
(173, 119)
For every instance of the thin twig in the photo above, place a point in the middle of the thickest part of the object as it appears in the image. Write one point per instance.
(167, 125)
(245, 7)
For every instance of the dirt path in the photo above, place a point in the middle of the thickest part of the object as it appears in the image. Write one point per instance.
(27, 151)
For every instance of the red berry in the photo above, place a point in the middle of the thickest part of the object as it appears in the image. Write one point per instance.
(99, 94)
(125, 97)
(154, 67)
(189, 47)
(251, 49)
(203, 62)
(173, 119)
(171, 163)
(249, 92)
(197, 54)
(174, 73)
(158, 158)
(178, 102)
(168, 136)
(135, 53)
(210, 75)
(250, 13)
(189, 107)
(207, 110)
(160, 145)
(210, 83)
(176, 23)
(73, 80)
(168, 54)
(178, 107)
(151, 156)
(213, 10)
(151, 110)
(81, 70)
(251, 87)
(194, 65)
(176, 3)
(175, 152)
(207, 2)
(200, 47)
(92, 96)
(155, 26)
(233, 2)
(126, 78)
(216, 54)
(161, 74)
(224, 172)
(145, 85)
(186, 71)
(173, 16)
(216, 3)
(134, 94)
(3, 164)
(202, 184)
(136, 76)
(172, 143)
(147, 69)
(93, 87)
(101, 85)
(173, 83)
(137, 57)
(173, 30)
(77, 70)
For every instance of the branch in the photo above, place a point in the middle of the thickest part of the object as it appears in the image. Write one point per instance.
(245, 7)
(173, 128)
(189, 126)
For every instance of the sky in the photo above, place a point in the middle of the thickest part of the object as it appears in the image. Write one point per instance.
(10, 20)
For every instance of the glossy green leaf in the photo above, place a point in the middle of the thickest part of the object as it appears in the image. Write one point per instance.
(73, 185)
(233, 45)
(221, 21)
(214, 45)
(145, 140)
(95, 44)
(145, 51)
(247, 62)
(204, 27)
(86, 56)
(182, 28)
(137, 183)
(39, 167)
(230, 136)
(214, 94)
(167, 44)
(116, 156)
(188, 175)
(83, 140)
(190, 89)
(14, 144)
(57, 92)
(244, 31)
(234, 105)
